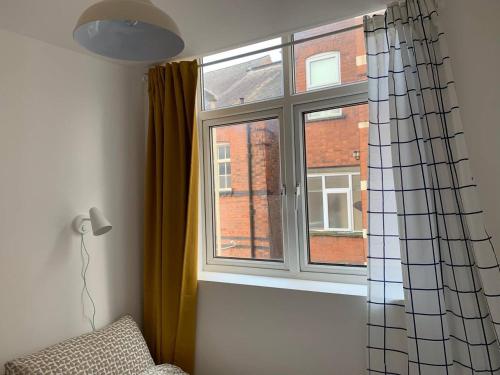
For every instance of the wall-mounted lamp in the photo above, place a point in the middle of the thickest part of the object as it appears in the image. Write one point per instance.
(100, 225)
(98, 221)
(356, 154)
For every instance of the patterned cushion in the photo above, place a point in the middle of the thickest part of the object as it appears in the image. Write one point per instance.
(116, 349)
(164, 370)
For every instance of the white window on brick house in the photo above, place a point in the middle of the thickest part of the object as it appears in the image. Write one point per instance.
(224, 166)
(327, 114)
(323, 70)
(332, 203)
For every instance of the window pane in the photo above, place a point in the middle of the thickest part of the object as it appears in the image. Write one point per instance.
(337, 181)
(347, 60)
(221, 152)
(315, 203)
(337, 211)
(222, 169)
(357, 203)
(336, 151)
(243, 80)
(324, 72)
(314, 184)
(249, 220)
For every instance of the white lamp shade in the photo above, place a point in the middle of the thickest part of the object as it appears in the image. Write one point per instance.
(100, 224)
(133, 30)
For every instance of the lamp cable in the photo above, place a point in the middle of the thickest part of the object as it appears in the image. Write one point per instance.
(85, 291)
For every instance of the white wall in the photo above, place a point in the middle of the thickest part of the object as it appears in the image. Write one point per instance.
(474, 44)
(252, 330)
(71, 136)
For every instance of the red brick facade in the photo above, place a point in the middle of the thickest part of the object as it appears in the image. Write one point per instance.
(350, 44)
(249, 213)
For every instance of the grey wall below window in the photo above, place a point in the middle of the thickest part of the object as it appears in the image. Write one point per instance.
(248, 330)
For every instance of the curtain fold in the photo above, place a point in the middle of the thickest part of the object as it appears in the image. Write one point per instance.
(170, 217)
(434, 277)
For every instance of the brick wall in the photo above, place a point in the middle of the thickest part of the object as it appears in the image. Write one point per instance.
(350, 44)
(332, 249)
(332, 142)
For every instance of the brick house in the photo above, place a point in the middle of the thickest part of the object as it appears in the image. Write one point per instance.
(246, 156)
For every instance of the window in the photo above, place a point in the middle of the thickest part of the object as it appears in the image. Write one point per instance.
(323, 70)
(284, 138)
(325, 115)
(223, 171)
(248, 221)
(330, 202)
(335, 167)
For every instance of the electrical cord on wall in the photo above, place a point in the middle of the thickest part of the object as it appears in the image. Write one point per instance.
(85, 291)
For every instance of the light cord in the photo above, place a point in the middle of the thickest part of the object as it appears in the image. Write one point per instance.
(85, 290)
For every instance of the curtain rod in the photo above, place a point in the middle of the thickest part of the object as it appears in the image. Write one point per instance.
(287, 44)
(282, 45)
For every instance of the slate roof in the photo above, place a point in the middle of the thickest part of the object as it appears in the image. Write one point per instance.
(248, 82)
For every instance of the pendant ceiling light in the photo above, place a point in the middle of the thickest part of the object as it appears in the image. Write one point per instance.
(133, 30)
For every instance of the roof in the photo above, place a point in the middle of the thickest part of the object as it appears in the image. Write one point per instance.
(246, 82)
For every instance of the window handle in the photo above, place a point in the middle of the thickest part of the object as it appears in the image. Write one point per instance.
(283, 195)
(297, 196)
(283, 190)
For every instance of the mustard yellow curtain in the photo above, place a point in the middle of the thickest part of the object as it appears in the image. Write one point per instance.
(170, 222)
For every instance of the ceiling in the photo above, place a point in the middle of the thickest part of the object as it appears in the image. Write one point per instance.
(206, 25)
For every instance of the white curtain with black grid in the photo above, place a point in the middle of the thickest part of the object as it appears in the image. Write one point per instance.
(434, 278)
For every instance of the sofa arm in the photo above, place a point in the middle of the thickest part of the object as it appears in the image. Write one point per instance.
(165, 369)
(116, 349)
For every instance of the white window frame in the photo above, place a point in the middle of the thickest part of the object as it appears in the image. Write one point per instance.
(332, 114)
(210, 220)
(325, 191)
(318, 57)
(290, 109)
(342, 272)
(223, 161)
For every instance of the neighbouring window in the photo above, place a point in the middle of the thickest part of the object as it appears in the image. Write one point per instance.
(323, 70)
(327, 114)
(223, 170)
(331, 201)
(284, 158)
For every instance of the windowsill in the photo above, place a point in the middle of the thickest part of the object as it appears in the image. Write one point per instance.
(332, 233)
(225, 192)
(326, 118)
(284, 283)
